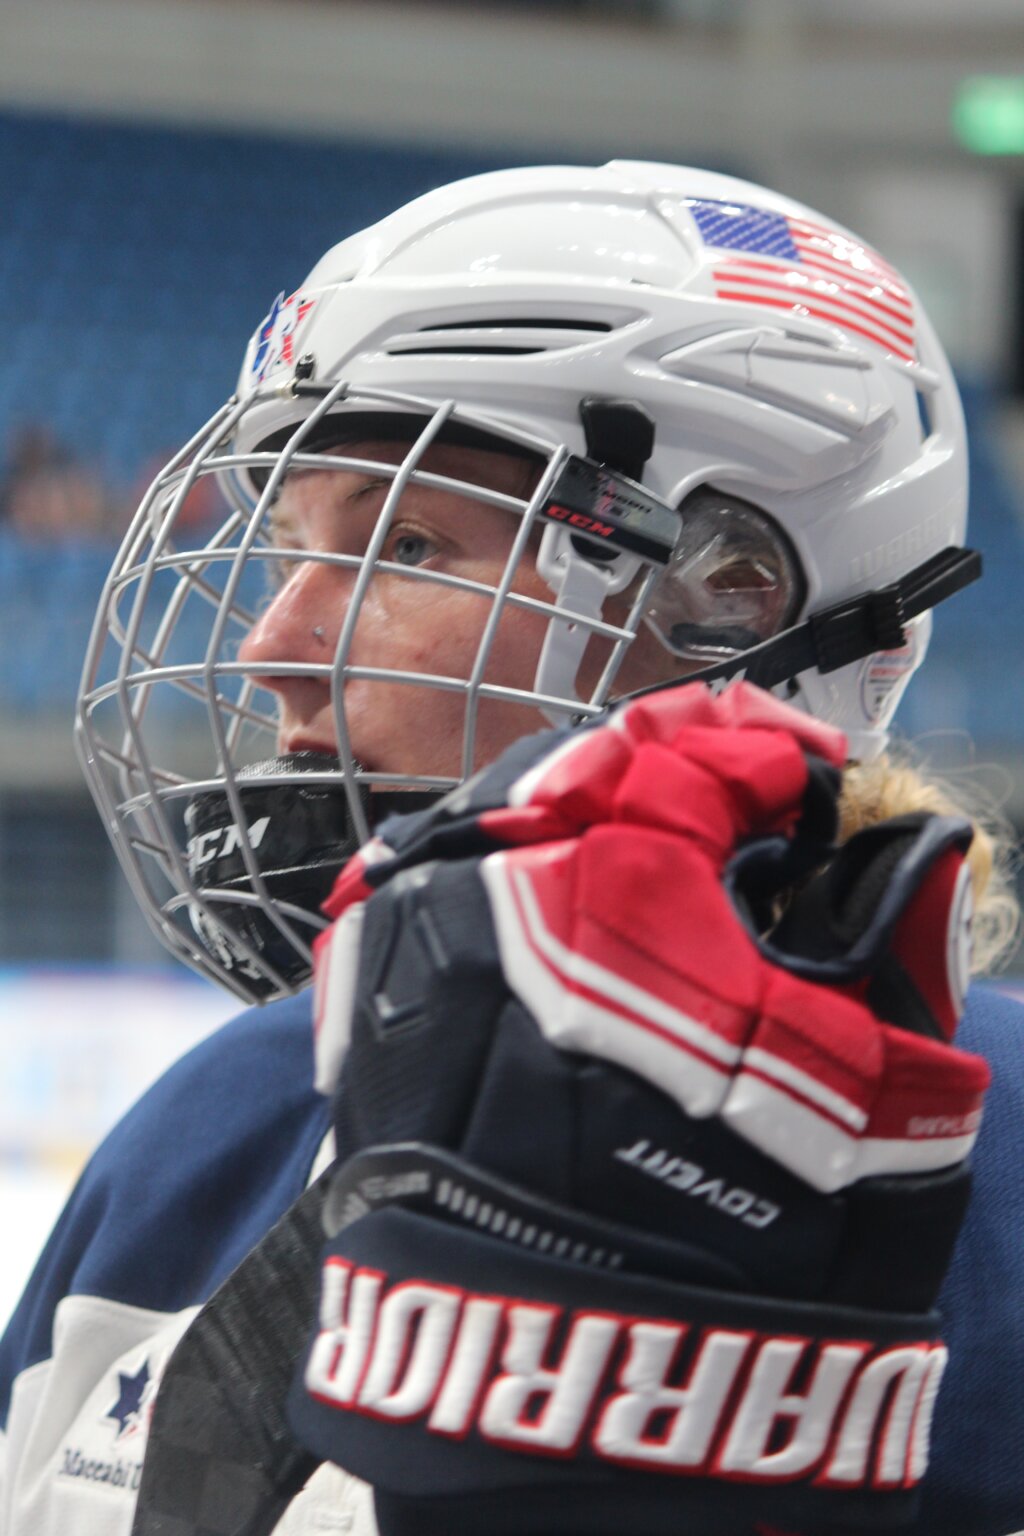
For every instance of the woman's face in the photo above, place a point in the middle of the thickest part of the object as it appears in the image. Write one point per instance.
(408, 625)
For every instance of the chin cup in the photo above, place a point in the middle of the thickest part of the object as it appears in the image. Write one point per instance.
(300, 835)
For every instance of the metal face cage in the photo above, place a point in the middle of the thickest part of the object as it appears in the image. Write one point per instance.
(171, 721)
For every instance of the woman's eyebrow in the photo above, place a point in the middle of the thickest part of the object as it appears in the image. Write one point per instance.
(369, 482)
(284, 519)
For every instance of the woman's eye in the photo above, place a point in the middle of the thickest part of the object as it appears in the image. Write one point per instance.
(412, 549)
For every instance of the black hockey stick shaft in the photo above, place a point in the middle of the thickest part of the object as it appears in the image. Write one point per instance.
(221, 1460)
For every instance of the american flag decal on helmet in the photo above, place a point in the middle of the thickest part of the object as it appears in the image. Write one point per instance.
(784, 262)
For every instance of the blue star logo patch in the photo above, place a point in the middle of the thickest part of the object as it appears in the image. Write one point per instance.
(130, 1406)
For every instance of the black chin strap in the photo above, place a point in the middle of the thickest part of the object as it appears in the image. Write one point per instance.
(856, 627)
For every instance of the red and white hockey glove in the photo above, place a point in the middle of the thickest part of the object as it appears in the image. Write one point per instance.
(645, 1195)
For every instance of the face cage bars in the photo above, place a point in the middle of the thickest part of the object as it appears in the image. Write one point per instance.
(133, 793)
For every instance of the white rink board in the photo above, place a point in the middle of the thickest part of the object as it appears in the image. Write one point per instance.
(77, 1048)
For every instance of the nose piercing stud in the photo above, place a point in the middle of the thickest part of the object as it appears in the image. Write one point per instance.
(318, 631)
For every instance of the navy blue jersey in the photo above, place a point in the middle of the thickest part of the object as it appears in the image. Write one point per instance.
(222, 1145)
(975, 1480)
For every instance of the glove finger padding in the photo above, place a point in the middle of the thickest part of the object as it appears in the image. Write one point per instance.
(629, 1185)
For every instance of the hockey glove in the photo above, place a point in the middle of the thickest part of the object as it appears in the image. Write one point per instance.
(645, 1192)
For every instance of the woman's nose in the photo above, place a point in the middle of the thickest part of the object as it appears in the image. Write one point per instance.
(302, 622)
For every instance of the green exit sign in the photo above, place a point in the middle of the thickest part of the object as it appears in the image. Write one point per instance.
(988, 114)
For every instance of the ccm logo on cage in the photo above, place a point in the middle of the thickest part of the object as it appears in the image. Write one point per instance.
(579, 520)
(220, 841)
(634, 1391)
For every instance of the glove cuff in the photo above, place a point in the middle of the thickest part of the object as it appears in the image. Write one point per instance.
(473, 1341)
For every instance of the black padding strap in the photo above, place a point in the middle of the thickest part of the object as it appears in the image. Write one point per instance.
(618, 433)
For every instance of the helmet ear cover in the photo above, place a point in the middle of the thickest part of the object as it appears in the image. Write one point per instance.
(734, 580)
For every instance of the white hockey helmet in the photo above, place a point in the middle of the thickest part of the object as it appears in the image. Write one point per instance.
(743, 423)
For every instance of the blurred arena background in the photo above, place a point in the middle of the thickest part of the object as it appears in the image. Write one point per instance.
(168, 166)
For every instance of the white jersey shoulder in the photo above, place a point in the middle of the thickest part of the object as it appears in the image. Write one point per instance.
(78, 1427)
